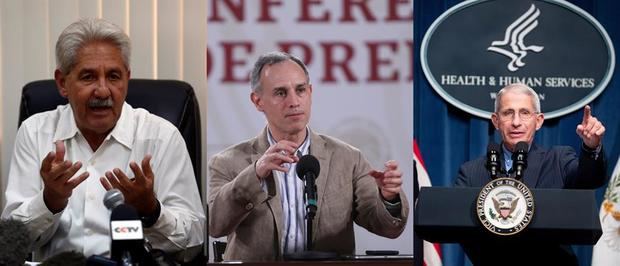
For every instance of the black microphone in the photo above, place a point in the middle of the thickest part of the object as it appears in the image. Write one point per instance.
(127, 247)
(493, 159)
(98, 260)
(14, 242)
(519, 159)
(308, 169)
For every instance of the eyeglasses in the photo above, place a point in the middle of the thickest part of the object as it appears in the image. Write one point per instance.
(524, 115)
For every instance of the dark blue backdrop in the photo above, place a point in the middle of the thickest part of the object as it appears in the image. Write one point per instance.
(448, 136)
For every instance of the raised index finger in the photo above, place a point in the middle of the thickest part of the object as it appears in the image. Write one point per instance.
(587, 113)
(60, 151)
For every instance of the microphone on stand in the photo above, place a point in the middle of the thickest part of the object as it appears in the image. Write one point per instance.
(519, 159)
(308, 169)
(127, 246)
(493, 164)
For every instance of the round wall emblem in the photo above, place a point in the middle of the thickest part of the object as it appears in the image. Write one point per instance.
(505, 206)
(479, 46)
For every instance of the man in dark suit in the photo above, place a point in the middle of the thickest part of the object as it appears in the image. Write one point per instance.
(517, 117)
(256, 198)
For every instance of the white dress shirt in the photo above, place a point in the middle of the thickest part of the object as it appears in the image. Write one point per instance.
(83, 225)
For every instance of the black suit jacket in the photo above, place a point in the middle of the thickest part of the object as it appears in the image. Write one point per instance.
(558, 167)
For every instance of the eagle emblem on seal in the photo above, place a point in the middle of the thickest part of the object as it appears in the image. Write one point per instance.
(505, 206)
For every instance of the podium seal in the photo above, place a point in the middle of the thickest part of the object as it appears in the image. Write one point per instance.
(505, 206)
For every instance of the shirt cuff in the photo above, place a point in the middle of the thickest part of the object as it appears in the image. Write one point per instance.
(393, 208)
(593, 152)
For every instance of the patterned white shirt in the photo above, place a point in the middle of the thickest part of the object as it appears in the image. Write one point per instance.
(293, 203)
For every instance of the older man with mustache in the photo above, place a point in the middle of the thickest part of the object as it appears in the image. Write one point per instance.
(51, 188)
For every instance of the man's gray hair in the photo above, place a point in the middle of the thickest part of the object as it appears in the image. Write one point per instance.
(270, 59)
(85, 31)
(518, 88)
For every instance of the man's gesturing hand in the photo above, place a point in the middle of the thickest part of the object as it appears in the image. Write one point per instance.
(389, 181)
(278, 154)
(138, 192)
(591, 130)
(56, 173)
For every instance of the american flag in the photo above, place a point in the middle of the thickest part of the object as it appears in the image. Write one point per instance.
(432, 252)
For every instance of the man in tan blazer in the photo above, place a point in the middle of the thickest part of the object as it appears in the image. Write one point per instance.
(256, 198)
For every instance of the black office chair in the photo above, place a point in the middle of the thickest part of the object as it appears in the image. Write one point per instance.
(171, 99)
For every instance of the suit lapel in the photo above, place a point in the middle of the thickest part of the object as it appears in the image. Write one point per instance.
(532, 172)
(261, 144)
(320, 151)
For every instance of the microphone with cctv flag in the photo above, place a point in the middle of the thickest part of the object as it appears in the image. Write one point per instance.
(493, 159)
(126, 230)
(519, 159)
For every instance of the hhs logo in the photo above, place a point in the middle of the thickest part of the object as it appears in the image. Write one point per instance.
(479, 46)
(126, 230)
(514, 38)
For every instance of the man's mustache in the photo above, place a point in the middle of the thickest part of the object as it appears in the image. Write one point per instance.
(94, 103)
